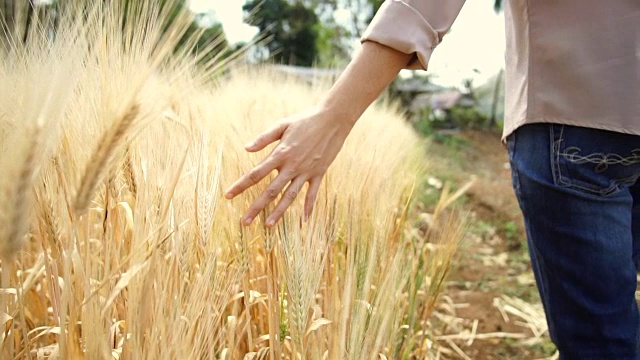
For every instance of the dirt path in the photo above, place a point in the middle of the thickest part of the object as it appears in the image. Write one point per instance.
(491, 306)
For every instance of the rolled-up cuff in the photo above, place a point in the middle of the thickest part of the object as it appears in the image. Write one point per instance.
(401, 27)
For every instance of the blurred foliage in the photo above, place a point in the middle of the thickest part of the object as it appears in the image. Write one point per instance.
(308, 32)
(467, 117)
(375, 6)
(436, 126)
(490, 97)
(424, 122)
(291, 28)
(208, 38)
(332, 49)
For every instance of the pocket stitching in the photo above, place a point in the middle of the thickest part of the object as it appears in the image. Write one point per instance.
(564, 181)
(601, 160)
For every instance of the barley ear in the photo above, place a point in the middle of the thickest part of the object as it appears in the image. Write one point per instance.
(96, 168)
(129, 174)
(19, 217)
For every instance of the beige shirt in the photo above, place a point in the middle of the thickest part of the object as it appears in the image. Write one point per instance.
(574, 62)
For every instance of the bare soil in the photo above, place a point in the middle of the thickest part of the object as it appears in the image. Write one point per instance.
(493, 261)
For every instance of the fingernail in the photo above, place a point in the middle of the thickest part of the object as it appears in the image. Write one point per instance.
(249, 145)
(247, 220)
(228, 195)
(270, 222)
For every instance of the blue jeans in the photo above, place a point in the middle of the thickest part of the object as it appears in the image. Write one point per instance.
(579, 192)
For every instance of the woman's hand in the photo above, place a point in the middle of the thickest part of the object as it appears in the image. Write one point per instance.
(308, 144)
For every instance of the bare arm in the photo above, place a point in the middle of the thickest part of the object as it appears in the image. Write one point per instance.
(368, 74)
(309, 142)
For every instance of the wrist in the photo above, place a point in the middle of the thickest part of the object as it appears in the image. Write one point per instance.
(341, 114)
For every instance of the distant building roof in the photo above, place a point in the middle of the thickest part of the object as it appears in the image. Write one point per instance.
(441, 101)
(308, 74)
(445, 100)
(417, 85)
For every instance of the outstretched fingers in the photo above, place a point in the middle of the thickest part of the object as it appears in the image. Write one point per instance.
(270, 194)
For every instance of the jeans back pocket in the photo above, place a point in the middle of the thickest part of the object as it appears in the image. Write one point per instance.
(593, 161)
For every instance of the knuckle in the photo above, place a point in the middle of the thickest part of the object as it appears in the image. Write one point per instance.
(254, 175)
(282, 125)
(291, 194)
(289, 173)
(271, 193)
(284, 152)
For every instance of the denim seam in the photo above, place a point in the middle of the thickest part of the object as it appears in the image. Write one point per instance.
(543, 270)
(555, 163)
(514, 170)
(613, 189)
(629, 180)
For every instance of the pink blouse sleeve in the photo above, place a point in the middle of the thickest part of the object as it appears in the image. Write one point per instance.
(413, 26)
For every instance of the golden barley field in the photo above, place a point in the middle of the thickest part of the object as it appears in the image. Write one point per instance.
(117, 244)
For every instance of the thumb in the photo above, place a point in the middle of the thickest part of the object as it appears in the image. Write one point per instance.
(267, 137)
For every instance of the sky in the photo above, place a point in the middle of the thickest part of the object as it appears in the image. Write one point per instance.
(229, 13)
(474, 48)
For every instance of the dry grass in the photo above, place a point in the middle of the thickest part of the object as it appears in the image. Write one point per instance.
(117, 244)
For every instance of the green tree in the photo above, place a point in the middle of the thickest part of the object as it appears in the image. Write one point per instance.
(291, 27)
(375, 6)
(362, 12)
(209, 39)
(332, 44)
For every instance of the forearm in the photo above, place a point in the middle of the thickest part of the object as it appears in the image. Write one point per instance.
(367, 75)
